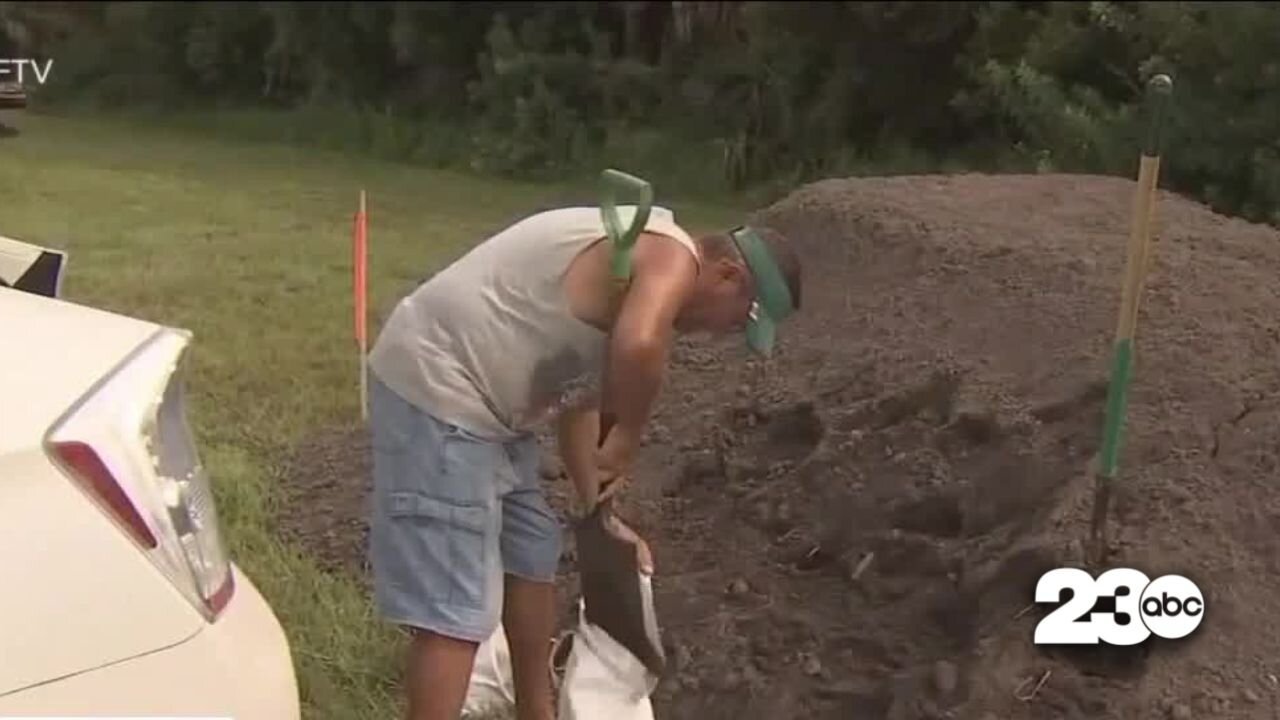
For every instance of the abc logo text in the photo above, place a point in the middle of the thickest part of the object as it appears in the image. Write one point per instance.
(1122, 606)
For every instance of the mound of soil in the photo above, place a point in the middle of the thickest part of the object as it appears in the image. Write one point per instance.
(854, 528)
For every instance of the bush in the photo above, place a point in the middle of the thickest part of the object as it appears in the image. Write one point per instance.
(706, 96)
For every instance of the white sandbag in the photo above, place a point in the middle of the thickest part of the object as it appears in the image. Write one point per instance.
(602, 679)
(492, 686)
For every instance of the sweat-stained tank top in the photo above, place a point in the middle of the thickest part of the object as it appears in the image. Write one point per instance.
(489, 344)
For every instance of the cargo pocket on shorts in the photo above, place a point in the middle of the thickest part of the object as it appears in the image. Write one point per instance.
(450, 546)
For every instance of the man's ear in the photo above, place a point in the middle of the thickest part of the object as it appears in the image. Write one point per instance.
(728, 271)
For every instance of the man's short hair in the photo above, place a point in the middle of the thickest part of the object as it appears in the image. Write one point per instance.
(720, 245)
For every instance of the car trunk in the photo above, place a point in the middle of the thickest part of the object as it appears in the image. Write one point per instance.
(81, 595)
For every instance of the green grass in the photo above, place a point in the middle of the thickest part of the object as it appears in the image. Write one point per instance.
(248, 245)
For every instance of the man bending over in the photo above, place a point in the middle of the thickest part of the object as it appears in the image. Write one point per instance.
(521, 330)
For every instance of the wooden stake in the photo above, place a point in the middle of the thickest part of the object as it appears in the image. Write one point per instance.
(1139, 256)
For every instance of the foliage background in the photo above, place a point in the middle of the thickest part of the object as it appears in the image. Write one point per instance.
(702, 98)
(697, 96)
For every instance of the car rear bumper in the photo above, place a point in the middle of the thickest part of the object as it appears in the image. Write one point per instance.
(239, 667)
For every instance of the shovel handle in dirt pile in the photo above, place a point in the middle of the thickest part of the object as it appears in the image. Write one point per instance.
(1159, 91)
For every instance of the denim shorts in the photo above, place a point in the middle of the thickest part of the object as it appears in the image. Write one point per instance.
(451, 513)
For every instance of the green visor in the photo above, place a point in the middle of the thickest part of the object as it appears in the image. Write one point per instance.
(772, 303)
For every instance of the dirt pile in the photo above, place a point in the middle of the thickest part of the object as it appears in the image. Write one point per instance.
(854, 527)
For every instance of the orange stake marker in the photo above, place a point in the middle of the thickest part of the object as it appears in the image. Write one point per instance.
(360, 258)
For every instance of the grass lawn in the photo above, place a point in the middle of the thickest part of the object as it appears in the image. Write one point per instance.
(248, 245)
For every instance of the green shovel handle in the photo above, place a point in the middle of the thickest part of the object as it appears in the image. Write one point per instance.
(616, 183)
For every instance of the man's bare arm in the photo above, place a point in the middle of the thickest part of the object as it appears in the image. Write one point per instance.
(663, 275)
(578, 437)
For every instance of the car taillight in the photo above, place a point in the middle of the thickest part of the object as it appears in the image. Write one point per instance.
(128, 446)
(87, 468)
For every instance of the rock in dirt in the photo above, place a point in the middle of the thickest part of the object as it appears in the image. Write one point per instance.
(683, 658)
(658, 434)
(946, 677)
(738, 587)
(731, 680)
(812, 666)
(859, 566)
(701, 464)
(976, 421)
(1180, 711)
(929, 710)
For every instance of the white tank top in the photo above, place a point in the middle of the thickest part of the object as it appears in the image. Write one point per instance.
(489, 344)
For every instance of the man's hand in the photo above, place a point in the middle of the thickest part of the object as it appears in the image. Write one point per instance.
(618, 529)
(614, 457)
(611, 487)
(594, 477)
(597, 473)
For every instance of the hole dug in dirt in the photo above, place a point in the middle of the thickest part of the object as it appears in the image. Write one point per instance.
(936, 494)
(1105, 661)
(935, 515)
(767, 444)
(933, 397)
(785, 433)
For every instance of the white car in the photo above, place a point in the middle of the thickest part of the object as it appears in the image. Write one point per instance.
(118, 597)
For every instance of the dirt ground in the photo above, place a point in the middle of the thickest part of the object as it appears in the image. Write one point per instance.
(854, 528)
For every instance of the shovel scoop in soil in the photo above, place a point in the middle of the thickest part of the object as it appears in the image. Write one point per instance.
(615, 597)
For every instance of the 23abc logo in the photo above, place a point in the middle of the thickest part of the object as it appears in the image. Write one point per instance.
(1171, 607)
